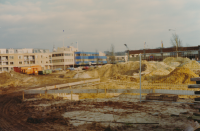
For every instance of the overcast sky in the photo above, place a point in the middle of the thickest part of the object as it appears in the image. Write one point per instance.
(96, 24)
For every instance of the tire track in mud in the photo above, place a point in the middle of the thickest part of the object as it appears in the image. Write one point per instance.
(11, 116)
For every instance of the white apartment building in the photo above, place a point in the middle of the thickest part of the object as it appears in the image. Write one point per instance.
(10, 58)
(63, 57)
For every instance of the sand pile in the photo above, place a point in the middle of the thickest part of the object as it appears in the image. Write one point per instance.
(129, 69)
(13, 79)
(124, 77)
(82, 75)
(170, 60)
(190, 64)
(70, 74)
(180, 75)
(159, 72)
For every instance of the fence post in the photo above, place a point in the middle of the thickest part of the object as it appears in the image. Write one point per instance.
(71, 92)
(153, 90)
(105, 92)
(23, 95)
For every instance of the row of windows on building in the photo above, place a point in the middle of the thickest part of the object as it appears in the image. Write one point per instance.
(90, 60)
(25, 57)
(86, 54)
(62, 60)
(182, 53)
(26, 62)
(62, 54)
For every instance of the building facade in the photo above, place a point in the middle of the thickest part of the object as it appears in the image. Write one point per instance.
(10, 58)
(118, 57)
(192, 52)
(89, 58)
(63, 57)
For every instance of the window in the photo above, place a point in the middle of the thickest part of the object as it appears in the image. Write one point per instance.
(41, 62)
(46, 61)
(11, 63)
(36, 56)
(11, 57)
(11, 52)
(41, 56)
(19, 57)
(20, 62)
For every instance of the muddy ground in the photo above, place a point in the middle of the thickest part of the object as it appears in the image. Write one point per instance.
(123, 112)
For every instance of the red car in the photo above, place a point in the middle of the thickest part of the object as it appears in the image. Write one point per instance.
(85, 68)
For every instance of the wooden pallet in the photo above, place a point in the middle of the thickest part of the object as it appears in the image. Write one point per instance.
(196, 115)
(162, 97)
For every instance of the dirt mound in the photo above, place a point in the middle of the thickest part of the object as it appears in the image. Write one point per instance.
(170, 60)
(82, 75)
(190, 64)
(124, 77)
(70, 74)
(12, 79)
(180, 75)
(129, 69)
(160, 72)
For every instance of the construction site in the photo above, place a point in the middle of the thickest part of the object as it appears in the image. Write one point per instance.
(114, 97)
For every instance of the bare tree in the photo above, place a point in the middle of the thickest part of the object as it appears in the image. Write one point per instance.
(112, 54)
(176, 43)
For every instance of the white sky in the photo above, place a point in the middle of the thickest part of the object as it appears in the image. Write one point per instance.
(96, 24)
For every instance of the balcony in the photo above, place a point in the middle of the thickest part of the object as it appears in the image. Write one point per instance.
(4, 60)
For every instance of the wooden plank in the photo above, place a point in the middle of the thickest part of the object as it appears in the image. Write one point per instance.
(101, 90)
(58, 91)
(196, 118)
(116, 91)
(194, 86)
(197, 92)
(163, 97)
(34, 91)
(197, 106)
(195, 79)
(197, 99)
(196, 114)
(84, 90)
(178, 92)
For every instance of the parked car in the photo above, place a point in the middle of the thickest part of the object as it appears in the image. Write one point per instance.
(71, 68)
(78, 69)
(92, 66)
(85, 68)
(58, 69)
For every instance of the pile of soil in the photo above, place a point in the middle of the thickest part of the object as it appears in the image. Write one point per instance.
(159, 72)
(180, 60)
(190, 64)
(129, 68)
(81, 75)
(180, 75)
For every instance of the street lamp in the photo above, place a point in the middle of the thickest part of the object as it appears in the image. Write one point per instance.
(128, 50)
(175, 40)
